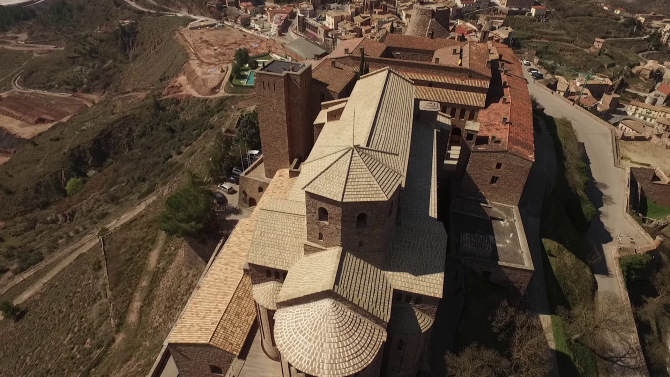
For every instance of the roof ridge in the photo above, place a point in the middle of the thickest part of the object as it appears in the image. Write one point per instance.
(365, 152)
(228, 307)
(327, 166)
(346, 179)
(374, 177)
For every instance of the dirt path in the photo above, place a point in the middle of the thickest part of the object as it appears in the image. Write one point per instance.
(72, 252)
(141, 290)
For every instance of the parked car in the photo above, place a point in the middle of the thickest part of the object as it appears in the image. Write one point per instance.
(531, 70)
(238, 171)
(537, 75)
(526, 62)
(234, 179)
(220, 198)
(228, 189)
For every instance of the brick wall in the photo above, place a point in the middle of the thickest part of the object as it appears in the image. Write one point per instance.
(285, 117)
(194, 360)
(514, 279)
(511, 176)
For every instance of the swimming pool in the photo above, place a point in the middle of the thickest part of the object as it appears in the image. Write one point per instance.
(250, 78)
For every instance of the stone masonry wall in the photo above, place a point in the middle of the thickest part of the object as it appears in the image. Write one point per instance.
(512, 176)
(273, 121)
(301, 114)
(194, 360)
(249, 189)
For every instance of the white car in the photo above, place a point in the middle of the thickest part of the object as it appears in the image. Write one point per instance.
(526, 62)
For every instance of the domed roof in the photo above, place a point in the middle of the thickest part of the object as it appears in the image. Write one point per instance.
(324, 338)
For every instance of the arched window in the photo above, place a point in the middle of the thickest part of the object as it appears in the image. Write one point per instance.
(320, 236)
(417, 300)
(268, 274)
(216, 370)
(277, 275)
(401, 345)
(260, 189)
(323, 214)
(361, 221)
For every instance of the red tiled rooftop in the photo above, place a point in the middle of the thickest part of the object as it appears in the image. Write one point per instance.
(418, 43)
(521, 138)
(664, 88)
(336, 75)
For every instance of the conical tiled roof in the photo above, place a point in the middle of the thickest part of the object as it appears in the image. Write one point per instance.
(324, 338)
(266, 294)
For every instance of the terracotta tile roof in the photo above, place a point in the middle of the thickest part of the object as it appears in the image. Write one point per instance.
(635, 126)
(475, 83)
(280, 233)
(325, 338)
(335, 75)
(265, 294)
(418, 43)
(457, 97)
(521, 139)
(202, 315)
(371, 48)
(377, 121)
(237, 320)
(664, 88)
(405, 319)
(477, 57)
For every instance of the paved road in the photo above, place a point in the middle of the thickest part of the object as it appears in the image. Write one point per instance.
(607, 193)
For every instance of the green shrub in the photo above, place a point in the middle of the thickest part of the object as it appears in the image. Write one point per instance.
(9, 310)
(74, 186)
(633, 265)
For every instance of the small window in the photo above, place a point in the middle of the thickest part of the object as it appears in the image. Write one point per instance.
(323, 214)
(494, 180)
(444, 109)
(417, 300)
(320, 236)
(401, 345)
(277, 275)
(323, 97)
(486, 275)
(260, 189)
(268, 274)
(453, 112)
(462, 115)
(263, 83)
(408, 299)
(430, 84)
(499, 166)
(472, 115)
(361, 221)
(216, 370)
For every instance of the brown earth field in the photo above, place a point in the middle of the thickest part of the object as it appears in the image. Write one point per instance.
(211, 52)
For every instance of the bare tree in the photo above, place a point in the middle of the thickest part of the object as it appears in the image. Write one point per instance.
(477, 361)
(604, 328)
(528, 349)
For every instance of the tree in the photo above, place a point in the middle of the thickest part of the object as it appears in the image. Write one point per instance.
(603, 328)
(222, 161)
(74, 186)
(235, 71)
(10, 311)
(253, 64)
(633, 265)
(241, 57)
(477, 361)
(528, 348)
(248, 133)
(187, 210)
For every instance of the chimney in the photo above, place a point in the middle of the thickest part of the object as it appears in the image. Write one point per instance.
(332, 63)
(455, 51)
(346, 51)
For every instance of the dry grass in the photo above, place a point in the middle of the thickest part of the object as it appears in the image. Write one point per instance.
(64, 326)
(646, 153)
